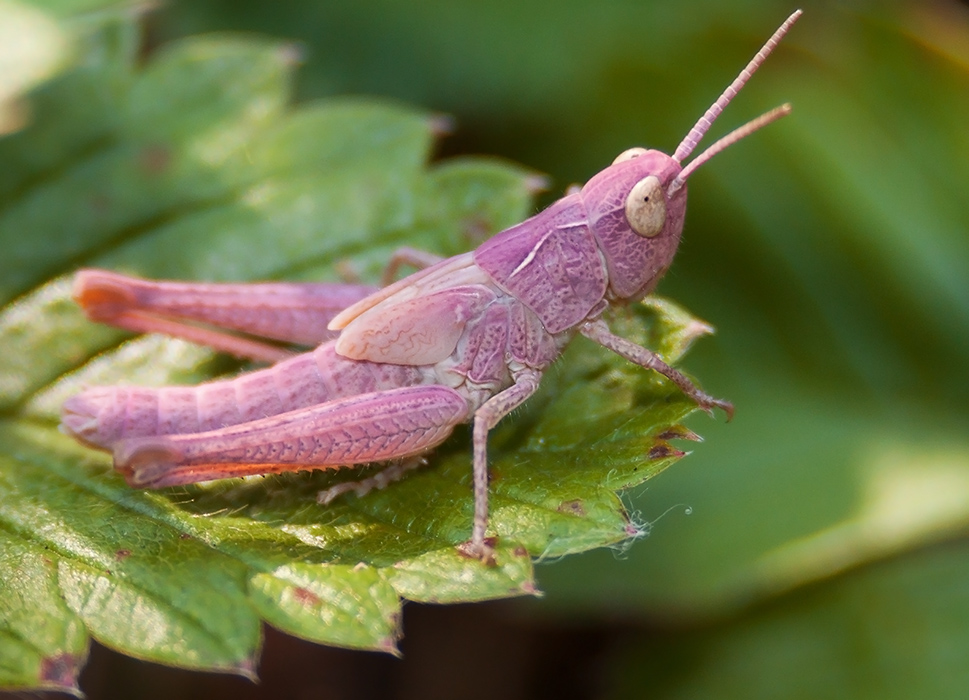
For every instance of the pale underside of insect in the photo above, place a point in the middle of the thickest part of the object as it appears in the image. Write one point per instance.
(463, 339)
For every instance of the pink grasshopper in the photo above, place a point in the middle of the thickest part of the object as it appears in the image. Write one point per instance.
(464, 339)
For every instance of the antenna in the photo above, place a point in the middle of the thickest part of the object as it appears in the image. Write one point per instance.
(706, 121)
(728, 140)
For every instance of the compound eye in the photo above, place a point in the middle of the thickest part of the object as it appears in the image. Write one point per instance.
(646, 207)
(629, 154)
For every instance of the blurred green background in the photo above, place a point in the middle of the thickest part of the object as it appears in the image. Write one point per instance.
(814, 547)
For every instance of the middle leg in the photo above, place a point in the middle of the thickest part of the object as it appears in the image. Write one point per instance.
(486, 418)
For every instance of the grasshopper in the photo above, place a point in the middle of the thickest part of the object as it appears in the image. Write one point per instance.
(396, 368)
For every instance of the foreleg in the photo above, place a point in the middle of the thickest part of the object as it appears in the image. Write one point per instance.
(291, 313)
(372, 427)
(600, 333)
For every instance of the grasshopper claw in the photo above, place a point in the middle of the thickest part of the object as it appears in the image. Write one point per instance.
(708, 403)
(482, 551)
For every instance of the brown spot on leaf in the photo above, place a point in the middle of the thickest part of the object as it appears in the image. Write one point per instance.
(575, 507)
(122, 554)
(155, 159)
(305, 596)
(662, 450)
(678, 432)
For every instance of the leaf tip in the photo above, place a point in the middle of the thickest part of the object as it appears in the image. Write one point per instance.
(247, 668)
(697, 329)
(292, 54)
(60, 671)
(678, 432)
(440, 125)
(388, 645)
(536, 184)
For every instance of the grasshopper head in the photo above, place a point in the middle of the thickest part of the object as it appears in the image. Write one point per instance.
(635, 218)
(636, 206)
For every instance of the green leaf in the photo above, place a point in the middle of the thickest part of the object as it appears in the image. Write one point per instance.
(192, 166)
